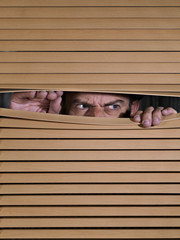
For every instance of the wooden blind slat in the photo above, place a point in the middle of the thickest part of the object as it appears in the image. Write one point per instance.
(90, 12)
(90, 45)
(90, 211)
(91, 68)
(5, 122)
(132, 177)
(90, 188)
(106, 234)
(70, 3)
(88, 144)
(89, 222)
(88, 166)
(94, 57)
(80, 121)
(86, 23)
(33, 79)
(69, 200)
(89, 155)
(90, 34)
(46, 133)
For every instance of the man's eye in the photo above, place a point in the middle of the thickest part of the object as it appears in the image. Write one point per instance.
(82, 106)
(113, 107)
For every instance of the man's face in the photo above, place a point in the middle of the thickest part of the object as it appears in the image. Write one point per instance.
(97, 104)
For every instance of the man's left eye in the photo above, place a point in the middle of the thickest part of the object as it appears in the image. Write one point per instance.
(113, 107)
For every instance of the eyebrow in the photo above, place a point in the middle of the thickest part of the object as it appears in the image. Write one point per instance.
(106, 104)
(114, 102)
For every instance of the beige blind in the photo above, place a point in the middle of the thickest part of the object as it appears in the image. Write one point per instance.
(67, 177)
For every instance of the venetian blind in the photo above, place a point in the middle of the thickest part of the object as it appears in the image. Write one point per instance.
(79, 177)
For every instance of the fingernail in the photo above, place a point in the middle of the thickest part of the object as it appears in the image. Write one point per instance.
(146, 123)
(156, 121)
(137, 118)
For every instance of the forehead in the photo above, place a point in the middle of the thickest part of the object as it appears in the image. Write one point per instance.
(98, 97)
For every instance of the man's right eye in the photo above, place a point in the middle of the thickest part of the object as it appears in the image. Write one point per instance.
(82, 106)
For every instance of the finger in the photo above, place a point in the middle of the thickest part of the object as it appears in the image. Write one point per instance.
(52, 95)
(55, 106)
(157, 116)
(168, 111)
(24, 95)
(59, 93)
(41, 94)
(147, 117)
(137, 117)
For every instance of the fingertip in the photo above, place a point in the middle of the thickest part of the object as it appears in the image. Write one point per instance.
(146, 123)
(59, 93)
(137, 118)
(51, 95)
(156, 121)
(169, 111)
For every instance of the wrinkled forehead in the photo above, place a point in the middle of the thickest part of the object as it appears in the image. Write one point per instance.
(96, 98)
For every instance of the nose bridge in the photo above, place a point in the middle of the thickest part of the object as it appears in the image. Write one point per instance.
(96, 111)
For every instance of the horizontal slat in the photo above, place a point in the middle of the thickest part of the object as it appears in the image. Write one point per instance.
(153, 90)
(89, 222)
(50, 133)
(32, 79)
(92, 68)
(84, 88)
(89, 211)
(73, 119)
(91, 12)
(92, 23)
(23, 123)
(90, 188)
(89, 200)
(156, 177)
(80, 234)
(68, 3)
(89, 155)
(88, 166)
(90, 45)
(97, 57)
(90, 144)
(89, 34)
(80, 121)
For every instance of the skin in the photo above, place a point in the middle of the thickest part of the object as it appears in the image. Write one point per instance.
(37, 101)
(88, 104)
(99, 105)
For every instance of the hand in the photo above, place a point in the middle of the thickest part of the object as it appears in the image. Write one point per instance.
(37, 101)
(152, 117)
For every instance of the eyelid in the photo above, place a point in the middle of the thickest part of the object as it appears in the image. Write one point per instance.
(112, 105)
